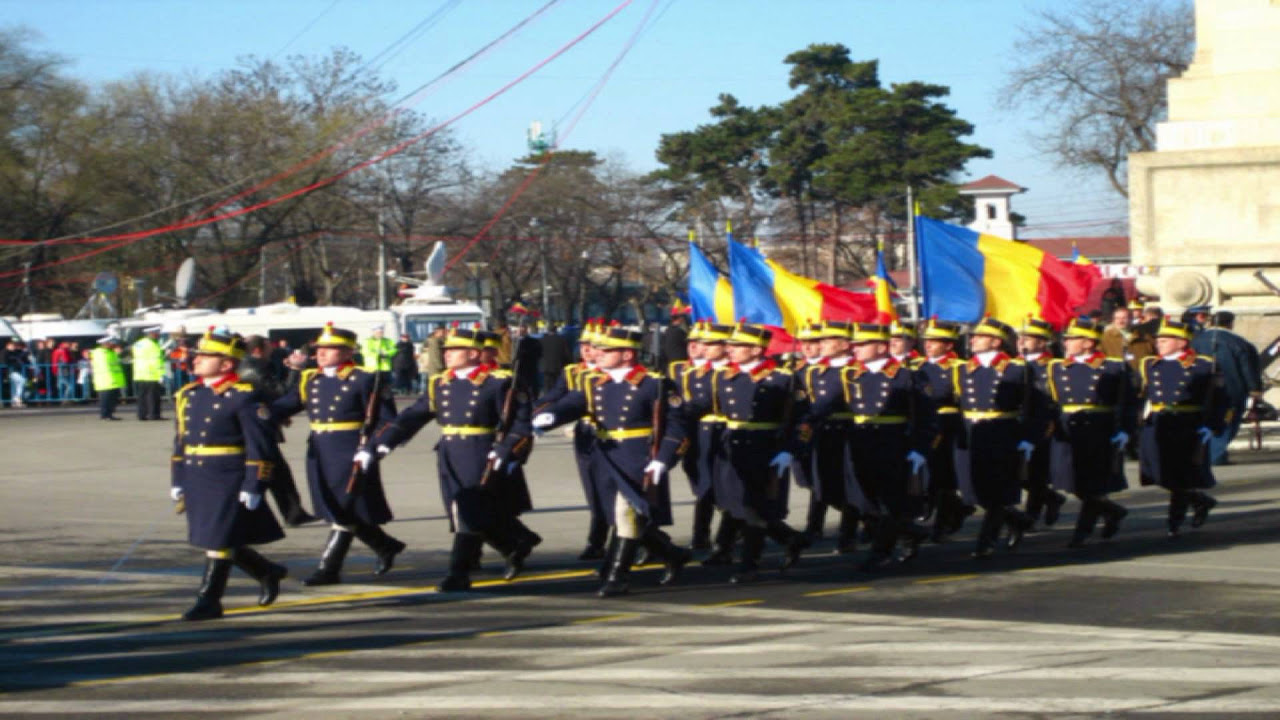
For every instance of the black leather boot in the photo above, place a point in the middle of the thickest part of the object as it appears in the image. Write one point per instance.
(726, 538)
(673, 558)
(209, 597)
(703, 511)
(1202, 504)
(329, 571)
(881, 555)
(752, 548)
(1112, 514)
(1178, 502)
(1019, 524)
(513, 550)
(847, 540)
(267, 573)
(989, 533)
(793, 543)
(382, 544)
(285, 493)
(459, 577)
(618, 582)
(1053, 502)
(815, 519)
(1085, 522)
(607, 556)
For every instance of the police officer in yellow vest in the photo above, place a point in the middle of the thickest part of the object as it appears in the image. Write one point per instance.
(148, 372)
(108, 376)
(376, 352)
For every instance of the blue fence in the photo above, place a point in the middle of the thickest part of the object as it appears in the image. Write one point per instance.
(44, 384)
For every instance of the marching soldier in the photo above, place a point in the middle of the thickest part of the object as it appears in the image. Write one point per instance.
(639, 434)
(1033, 345)
(1001, 425)
(484, 423)
(220, 463)
(892, 426)
(570, 380)
(762, 405)
(938, 370)
(706, 441)
(1094, 402)
(1184, 408)
(342, 401)
(802, 469)
(828, 466)
(702, 507)
(902, 344)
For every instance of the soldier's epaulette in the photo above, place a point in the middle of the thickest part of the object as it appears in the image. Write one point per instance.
(308, 374)
(243, 386)
(655, 376)
(347, 371)
(501, 373)
(1207, 358)
(189, 386)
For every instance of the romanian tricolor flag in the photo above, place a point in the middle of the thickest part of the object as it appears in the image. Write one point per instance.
(966, 275)
(709, 291)
(765, 292)
(885, 312)
(519, 308)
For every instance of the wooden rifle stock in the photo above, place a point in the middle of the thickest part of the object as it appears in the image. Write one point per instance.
(355, 483)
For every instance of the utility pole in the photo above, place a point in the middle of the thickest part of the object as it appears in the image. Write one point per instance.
(911, 252)
(262, 275)
(382, 256)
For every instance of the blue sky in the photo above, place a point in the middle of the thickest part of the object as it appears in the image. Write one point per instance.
(695, 50)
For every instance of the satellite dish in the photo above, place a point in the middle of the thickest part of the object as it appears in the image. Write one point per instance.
(435, 264)
(106, 282)
(185, 281)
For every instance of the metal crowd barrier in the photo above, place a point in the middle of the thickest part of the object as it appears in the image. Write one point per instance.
(48, 384)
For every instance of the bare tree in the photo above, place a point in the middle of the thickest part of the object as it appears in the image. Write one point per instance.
(1099, 67)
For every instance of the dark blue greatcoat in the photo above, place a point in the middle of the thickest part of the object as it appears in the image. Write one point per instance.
(584, 437)
(742, 480)
(617, 465)
(1178, 402)
(892, 415)
(475, 402)
(1038, 475)
(343, 398)
(223, 447)
(829, 469)
(705, 433)
(1091, 402)
(940, 383)
(986, 451)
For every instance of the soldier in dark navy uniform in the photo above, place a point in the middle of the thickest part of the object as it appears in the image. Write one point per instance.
(997, 398)
(338, 397)
(828, 467)
(802, 470)
(1095, 411)
(640, 430)
(902, 344)
(891, 429)
(677, 370)
(220, 466)
(484, 422)
(1034, 345)
(570, 379)
(938, 370)
(705, 437)
(763, 406)
(1184, 408)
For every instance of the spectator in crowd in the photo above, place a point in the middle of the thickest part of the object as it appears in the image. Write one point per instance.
(41, 369)
(527, 357)
(404, 366)
(15, 366)
(505, 345)
(433, 349)
(1241, 376)
(1117, 335)
(555, 355)
(64, 369)
(675, 340)
(84, 374)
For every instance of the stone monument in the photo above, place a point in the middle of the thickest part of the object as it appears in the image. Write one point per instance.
(1204, 207)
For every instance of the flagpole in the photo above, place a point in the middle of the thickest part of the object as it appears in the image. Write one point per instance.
(911, 252)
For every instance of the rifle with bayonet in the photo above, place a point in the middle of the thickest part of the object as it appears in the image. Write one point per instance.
(507, 417)
(355, 483)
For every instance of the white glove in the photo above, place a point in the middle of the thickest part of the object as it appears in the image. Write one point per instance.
(495, 460)
(250, 500)
(363, 458)
(916, 460)
(542, 421)
(781, 462)
(1204, 433)
(655, 468)
(383, 451)
(175, 493)
(1120, 439)
(1026, 449)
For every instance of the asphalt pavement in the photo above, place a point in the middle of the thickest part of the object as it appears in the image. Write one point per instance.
(95, 571)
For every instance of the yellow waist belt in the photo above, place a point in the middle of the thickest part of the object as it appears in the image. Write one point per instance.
(213, 450)
(624, 433)
(1087, 408)
(880, 419)
(748, 425)
(713, 419)
(948, 410)
(979, 415)
(324, 427)
(467, 430)
(1173, 408)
